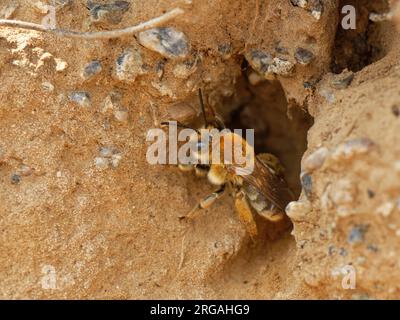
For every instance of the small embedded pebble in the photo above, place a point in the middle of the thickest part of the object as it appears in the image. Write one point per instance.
(91, 69)
(111, 12)
(386, 208)
(306, 183)
(109, 156)
(101, 163)
(316, 159)
(298, 210)
(343, 80)
(328, 95)
(62, 3)
(259, 60)
(15, 178)
(225, 50)
(130, 65)
(160, 69)
(316, 10)
(281, 67)
(183, 70)
(308, 85)
(343, 192)
(47, 86)
(281, 50)
(111, 102)
(41, 7)
(300, 3)
(357, 234)
(343, 252)
(163, 89)
(360, 260)
(168, 42)
(61, 65)
(331, 250)
(25, 170)
(313, 6)
(106, 152)
(115, 160)
(266, 64)
(303, 56)
(396, 110)
(350, 148)
(121, 115)
(370, 193)
(373, 248)
(80, 97)
(379, 17)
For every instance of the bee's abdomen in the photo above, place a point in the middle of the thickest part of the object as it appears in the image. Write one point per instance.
(261, 205)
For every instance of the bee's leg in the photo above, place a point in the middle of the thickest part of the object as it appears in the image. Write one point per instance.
(272, 214)
(199, 169)
(205, 202)
(245, 214)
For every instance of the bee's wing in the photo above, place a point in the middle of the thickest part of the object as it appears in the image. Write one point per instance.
(272, 186)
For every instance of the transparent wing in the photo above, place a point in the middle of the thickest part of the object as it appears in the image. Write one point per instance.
(272, 186)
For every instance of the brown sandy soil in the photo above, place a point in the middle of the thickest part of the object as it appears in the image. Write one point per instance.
(80, 205)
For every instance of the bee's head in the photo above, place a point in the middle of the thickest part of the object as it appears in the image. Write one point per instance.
(202, 148)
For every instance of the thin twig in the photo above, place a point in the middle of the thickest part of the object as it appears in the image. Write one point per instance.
(95, 35)
(182, 258)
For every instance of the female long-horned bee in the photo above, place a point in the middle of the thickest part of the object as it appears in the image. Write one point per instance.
(262, 189)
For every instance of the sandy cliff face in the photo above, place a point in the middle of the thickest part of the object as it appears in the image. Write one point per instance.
(83, 214)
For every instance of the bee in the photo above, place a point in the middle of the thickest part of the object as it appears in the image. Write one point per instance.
(264, 191)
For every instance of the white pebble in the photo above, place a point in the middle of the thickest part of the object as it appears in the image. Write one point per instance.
(183, 70)
(316, 159)
(130, 65)
(101, 163)
(121, 115)
(61, 65)
(47, 86)
(168, 42)
(281, 67)
(385, 209)
(115, 160)
(298, 210)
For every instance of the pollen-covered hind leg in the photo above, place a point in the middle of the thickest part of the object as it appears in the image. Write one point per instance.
(245, 214)
(205, 202)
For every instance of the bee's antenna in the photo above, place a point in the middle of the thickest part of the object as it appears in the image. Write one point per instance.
(202, 108)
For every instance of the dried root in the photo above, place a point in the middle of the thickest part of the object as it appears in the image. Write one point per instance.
(95, 35)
